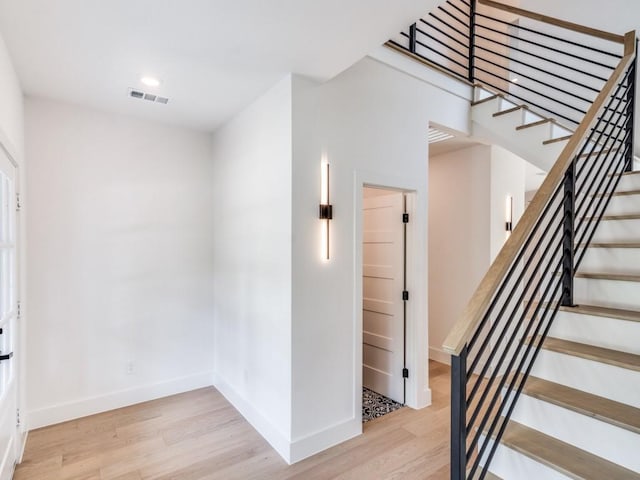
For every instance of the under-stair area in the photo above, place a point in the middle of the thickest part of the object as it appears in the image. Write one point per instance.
(546, 356)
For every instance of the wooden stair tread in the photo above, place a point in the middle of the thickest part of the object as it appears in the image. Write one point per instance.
(629, 216)
(598, 311)
(488, 99)
(559, 139)
(626, 192)
(624, 174)
(613, 245)
(591, 352)
(615, 413)
(595, 154)
(487, 476)
(622, 277)
(561, 456)
(510, 110)
(534, 124)
(623, 193)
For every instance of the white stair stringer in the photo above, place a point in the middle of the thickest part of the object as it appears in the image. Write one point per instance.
(503, 130)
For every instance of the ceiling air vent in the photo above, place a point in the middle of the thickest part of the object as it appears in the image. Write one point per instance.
(438, 135)
(150, 97)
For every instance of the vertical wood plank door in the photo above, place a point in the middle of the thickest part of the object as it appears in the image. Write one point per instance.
(383, 283)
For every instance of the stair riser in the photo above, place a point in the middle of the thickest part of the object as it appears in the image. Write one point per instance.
(540, 155)
(611, 333)
(629, 182)
(617, 231)
(582, 431)
(609, 381)
(624, 205)
(607, 293)
(510, 465)
(534, 135)
(611, 260)
(501, 130)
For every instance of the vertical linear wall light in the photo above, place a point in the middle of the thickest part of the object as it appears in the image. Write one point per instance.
(509, 215)
(326, 209)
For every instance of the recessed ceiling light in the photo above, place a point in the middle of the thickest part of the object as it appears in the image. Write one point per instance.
(514, 80)
(150, 81)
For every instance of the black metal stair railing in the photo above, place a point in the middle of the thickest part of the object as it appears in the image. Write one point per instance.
(585, 79)
(490, 372)
(527, 60)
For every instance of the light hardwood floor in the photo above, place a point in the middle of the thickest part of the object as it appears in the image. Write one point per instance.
(199, 435)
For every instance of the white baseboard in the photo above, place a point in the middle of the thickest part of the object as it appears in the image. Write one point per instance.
(439, 355)
(290, 451)
(271, 434)
(319, 441)
(89, 406)
(23, 435)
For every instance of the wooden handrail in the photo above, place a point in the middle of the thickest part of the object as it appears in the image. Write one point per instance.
(477, 306)
(612, 37)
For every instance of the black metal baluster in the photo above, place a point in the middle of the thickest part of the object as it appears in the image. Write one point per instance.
(472, 34)
(631, 104)
(412, 38)
(459, 415)
(568, 235)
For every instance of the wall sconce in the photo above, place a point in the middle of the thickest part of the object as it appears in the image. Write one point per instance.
(326, 209)
(509, 214)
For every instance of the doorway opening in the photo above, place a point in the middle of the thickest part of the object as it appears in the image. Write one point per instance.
(384, 301)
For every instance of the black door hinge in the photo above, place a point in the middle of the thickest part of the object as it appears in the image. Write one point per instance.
(405, 295)
(405, 373)
(405, 218)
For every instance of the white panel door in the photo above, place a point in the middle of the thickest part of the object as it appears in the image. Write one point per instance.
(383, 283)
(8, 319)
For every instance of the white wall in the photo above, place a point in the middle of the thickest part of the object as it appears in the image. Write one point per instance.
(252, 263)
(467, 210)
(120, 250)
(288, 326)
(12, 140)
(507, 179)
(11, 113)
(371, 125)
(459, 236)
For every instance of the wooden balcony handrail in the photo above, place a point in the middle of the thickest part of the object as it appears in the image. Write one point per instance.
(594, 32)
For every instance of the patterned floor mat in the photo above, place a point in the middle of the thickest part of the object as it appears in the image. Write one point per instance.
(375, 405)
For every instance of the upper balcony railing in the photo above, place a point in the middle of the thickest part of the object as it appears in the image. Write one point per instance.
(586, 79)
(556, 67)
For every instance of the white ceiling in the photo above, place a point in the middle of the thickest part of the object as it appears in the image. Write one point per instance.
(214, 57)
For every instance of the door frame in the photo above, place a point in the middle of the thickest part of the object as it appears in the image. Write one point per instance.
(14, 157)
(399, 232)
(418, 394)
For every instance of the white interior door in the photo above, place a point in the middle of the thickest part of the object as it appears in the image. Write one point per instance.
(8, 318)
(383, 284)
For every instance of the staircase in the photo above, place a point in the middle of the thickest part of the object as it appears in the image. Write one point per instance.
(579, 413)
(546, 356)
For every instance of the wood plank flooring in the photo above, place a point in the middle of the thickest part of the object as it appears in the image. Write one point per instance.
(199, 435)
